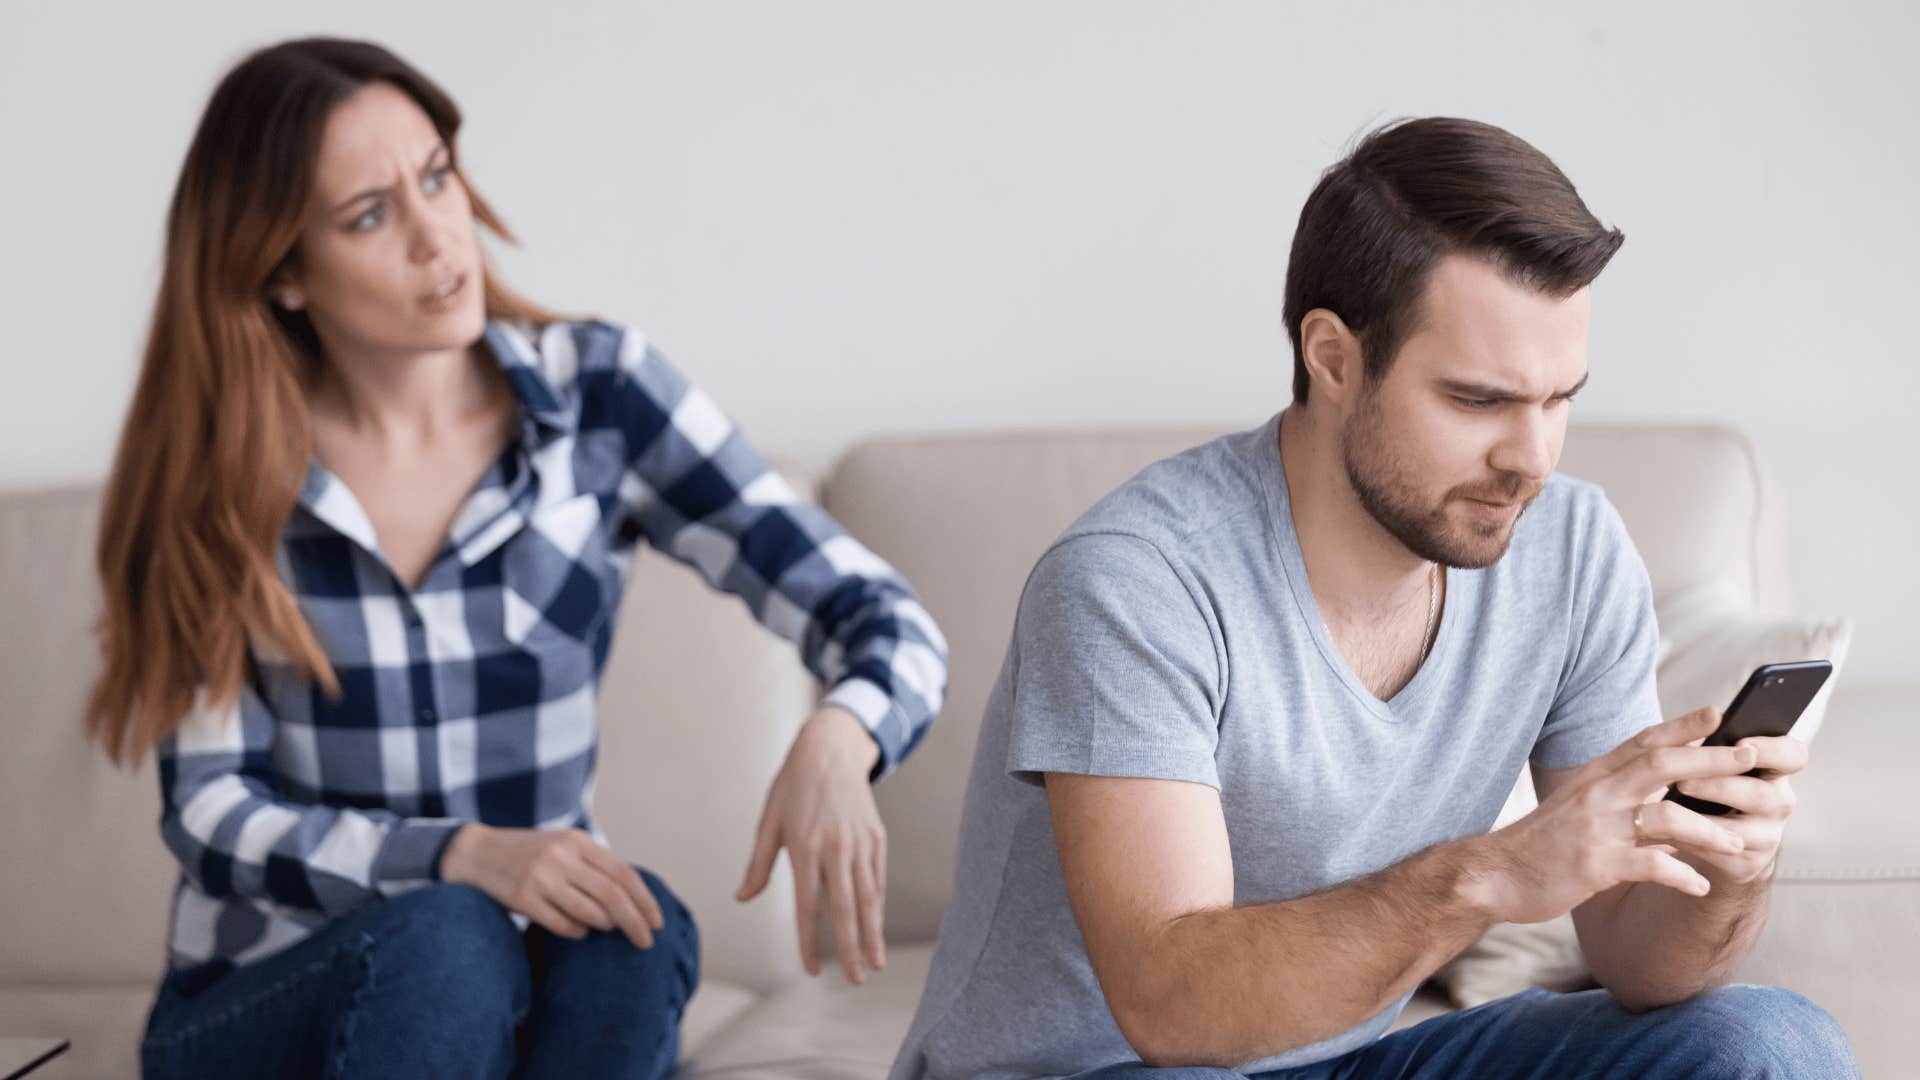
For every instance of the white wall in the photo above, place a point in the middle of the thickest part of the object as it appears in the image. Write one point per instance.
(850, 218)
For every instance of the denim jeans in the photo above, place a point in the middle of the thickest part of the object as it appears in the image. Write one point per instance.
(1743, 1032)
(436, 982)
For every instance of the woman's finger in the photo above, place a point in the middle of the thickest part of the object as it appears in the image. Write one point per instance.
(846, 910)
(622, 873)
(596, 881)
(867, 890)
(553, 919)
(766, 845)
(806, 902)
(576, 904)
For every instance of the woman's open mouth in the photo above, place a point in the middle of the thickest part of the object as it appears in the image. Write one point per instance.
(447, 296)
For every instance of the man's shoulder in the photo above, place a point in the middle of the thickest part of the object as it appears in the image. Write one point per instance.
(1170, 504)
(1573, 516)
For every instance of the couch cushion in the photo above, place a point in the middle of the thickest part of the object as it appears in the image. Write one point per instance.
(87, 881)
(823, 1029)
(696, 710)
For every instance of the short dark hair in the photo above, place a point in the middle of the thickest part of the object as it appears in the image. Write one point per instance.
(1414, 191)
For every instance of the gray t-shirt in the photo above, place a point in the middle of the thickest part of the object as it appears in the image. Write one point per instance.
(1171, 633)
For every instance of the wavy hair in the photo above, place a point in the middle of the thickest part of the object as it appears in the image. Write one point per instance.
(217, 438)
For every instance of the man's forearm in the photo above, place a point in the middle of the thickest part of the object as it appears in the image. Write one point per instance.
(1653, 946)
(1234, 985)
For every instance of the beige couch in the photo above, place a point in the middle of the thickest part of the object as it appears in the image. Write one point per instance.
(699, 704)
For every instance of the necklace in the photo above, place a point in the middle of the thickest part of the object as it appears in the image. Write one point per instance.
(1433, 609)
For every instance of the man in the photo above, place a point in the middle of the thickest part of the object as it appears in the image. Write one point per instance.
(1263, 702)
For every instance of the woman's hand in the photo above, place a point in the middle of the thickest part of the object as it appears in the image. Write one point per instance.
(820, 808)
(561, 879)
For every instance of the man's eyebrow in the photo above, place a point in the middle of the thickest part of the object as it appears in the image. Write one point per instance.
(373, 192)
(1486, 392)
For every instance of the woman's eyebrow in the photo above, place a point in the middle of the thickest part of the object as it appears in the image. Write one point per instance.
(372, 192)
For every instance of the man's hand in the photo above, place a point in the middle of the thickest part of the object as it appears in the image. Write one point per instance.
(1761, 804)
(1582, 839)
(559, 878)
(820, 808)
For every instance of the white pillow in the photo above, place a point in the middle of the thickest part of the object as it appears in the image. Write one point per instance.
(1709, 642)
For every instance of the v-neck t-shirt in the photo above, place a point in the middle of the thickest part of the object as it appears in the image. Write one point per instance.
(1171, 633)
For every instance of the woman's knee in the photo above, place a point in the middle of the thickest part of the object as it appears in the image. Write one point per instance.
(456, 940)
(678, 929)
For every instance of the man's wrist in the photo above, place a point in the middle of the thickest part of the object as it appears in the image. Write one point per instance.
(1482, 882)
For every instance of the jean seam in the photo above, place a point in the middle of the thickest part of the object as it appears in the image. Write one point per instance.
(350, 1014)
(253, 1003)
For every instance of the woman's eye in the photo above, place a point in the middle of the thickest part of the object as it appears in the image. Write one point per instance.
(369, 219)
(437, 179)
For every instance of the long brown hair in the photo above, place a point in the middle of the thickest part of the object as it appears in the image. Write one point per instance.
(1414, 191)
(216, 441)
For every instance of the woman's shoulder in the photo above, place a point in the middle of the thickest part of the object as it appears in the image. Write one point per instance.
(564, 350)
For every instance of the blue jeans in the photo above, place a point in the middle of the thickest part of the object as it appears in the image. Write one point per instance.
(1743, 1032)
(437, 982)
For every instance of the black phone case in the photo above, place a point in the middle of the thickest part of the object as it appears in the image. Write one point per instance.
(1771, 701)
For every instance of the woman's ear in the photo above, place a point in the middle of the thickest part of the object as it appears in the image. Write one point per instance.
(284, 291)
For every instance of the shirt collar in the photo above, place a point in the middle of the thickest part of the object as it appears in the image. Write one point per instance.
(510, 342)
(546, 416)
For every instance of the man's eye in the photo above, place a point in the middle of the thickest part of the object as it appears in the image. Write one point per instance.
(1476, 403)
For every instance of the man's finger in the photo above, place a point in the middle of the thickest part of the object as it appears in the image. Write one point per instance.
(1745, 794)
(1679, 731)
(1782, 755)
(1662, 766)
(1670, 823)
(1646, 864)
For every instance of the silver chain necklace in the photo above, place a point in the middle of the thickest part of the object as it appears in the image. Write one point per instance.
(1433, 609)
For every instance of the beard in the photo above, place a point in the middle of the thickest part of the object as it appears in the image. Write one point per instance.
(1387, 483)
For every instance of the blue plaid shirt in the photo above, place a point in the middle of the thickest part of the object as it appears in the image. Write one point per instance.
(472, 697)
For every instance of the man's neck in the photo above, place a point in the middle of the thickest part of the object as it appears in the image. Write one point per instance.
(1357, 569)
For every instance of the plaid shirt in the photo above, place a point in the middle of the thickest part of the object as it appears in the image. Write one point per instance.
(472, 697)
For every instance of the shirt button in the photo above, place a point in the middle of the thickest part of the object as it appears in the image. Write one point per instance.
(427, 715)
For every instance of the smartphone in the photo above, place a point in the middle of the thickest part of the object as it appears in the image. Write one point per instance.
(1773, 698)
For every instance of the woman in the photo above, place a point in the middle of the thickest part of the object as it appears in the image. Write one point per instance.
(365, 534)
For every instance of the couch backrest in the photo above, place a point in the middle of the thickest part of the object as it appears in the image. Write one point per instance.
(699, 702)
(965, 517)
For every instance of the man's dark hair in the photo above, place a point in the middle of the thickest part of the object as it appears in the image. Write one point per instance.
(1409, 194)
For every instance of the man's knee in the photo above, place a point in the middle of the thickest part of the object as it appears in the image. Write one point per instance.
(1768, 1031)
